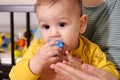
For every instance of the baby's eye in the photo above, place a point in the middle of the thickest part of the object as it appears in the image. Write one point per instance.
(62, 24)
(46, 26)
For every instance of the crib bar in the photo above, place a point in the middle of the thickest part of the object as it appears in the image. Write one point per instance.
(17, 8)
(12, 36)
(5, 68)
(28, 28)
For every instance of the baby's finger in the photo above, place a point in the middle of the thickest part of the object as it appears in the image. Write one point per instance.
(54, 59)
(51, 43)
(52, 52)
(70, 58)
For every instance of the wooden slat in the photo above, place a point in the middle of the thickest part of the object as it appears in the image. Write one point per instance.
(4, 68)
(17, 8)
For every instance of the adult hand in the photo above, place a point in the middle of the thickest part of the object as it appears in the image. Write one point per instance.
(87, 72)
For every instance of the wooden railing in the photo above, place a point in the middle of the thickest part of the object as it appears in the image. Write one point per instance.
(5, 68)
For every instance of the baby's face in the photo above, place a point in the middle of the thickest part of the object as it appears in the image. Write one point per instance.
(60, 22)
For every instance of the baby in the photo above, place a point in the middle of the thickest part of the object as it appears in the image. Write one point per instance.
(59, 20)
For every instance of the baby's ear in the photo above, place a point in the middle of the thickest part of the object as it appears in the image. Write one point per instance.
(83, 23)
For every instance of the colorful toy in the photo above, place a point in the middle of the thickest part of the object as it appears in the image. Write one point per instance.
(21, 42)
(17, 54)
(25, 35)
(15, 45)
(59, 44)
(5, 40)
(0, 40)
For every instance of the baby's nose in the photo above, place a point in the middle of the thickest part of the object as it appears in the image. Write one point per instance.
(55, 33)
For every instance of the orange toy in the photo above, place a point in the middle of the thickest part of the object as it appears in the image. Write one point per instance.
(21, 42)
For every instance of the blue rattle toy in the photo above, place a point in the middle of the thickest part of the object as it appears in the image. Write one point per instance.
(60, 44)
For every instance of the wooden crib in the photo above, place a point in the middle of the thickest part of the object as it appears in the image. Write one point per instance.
(11, 9)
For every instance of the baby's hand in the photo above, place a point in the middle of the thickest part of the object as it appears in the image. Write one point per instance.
(44, 57)
(73, 61)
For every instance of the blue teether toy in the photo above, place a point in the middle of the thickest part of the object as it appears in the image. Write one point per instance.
(59, 44)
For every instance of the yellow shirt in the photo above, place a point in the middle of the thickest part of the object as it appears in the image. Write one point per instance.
(89, 53)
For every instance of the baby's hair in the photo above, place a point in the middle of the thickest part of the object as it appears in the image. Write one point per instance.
(52, 2)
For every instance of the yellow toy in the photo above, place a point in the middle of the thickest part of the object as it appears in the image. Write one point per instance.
(0, 40)
(17, 54)
(15, 45)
